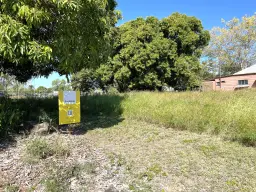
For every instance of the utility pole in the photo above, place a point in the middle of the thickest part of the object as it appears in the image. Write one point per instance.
(219, 71)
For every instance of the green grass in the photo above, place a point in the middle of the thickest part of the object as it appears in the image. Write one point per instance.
(11, 188)
(229, 114)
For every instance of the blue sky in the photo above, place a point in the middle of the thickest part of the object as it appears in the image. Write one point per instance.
(209, 12)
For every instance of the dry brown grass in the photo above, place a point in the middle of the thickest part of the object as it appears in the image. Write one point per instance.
(161, 159)
(133, 156)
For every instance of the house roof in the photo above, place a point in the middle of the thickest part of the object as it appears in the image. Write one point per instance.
(248, 70)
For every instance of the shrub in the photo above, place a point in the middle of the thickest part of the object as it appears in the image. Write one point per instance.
(15, 112)
(10, 117)
(112, 90)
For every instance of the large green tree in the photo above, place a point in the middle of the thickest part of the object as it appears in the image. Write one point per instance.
(233, 46)
(38, 37)
(150, 53)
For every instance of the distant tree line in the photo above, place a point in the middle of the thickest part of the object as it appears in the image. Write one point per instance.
(11, 86)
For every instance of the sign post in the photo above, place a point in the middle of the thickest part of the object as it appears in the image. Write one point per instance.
(69, 107)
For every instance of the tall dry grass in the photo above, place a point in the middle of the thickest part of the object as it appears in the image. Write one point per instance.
(230, 114)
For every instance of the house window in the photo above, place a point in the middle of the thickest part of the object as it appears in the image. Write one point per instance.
(242, 82)
(218, 83)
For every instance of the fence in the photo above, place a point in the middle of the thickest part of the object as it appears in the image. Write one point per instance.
(34, 94)
(19, 95)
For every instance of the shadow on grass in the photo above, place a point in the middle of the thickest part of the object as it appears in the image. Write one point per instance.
(98, 111)
(5, 144)
(91, 123)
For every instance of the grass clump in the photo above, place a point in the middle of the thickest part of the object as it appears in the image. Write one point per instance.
(59, 177)
(116, 159)
(152, 171)
(138, 186)
(39, 149)
(189, 141)
(54, 185)
(208, 149)
(11, 188)
(60, 148)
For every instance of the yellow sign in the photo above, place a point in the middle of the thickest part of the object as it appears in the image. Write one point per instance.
(69, 107)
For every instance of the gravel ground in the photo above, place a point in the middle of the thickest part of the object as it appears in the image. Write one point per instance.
(132, 156)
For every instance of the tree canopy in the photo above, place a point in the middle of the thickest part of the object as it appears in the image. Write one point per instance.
(41, 89)
(85, 80)
(150, 53)
(38, 37)
(60, 85)
(233, 46)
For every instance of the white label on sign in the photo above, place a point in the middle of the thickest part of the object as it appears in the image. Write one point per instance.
(70, 112)
(69, 97)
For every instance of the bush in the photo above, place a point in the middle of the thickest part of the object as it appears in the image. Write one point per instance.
(33, 108)
(10, 117)
(112, 90)
(15, 112)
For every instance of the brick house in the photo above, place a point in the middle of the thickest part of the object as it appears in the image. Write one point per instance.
(240, 80)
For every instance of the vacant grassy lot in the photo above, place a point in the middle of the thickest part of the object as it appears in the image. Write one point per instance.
(157, 158)
(228, 114)
(128, 155)
(139, 142)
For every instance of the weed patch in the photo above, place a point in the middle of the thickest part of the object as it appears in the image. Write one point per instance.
(207, 149)
(154, 170)
(11, 188)
(38, 148)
